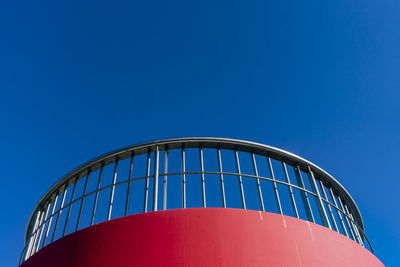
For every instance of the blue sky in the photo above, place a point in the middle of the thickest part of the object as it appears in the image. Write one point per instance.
(317, 78)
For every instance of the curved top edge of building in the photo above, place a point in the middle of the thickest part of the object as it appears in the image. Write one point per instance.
(196, 142)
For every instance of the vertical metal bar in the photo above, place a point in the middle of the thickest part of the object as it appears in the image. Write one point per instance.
(51, 219)
(23, 255)
(351, 224)
(183, 178)
(320, 205)
(240, 180)
(114, 181)
(271, 170)
(39, 230)
(70, 206)
(290, 190)
(304, 196)
(203, 187)
(347, 219)
(36, 233)
(260, 197)
(165, 179)
(128, 191)
(40, 226)
(360, 238)
(339, 214)
(221, 178)
(357, 233)
(82, 201)
(146, 186)
(42, 229)
(33, 232)
(329, 207)
(59, 213)
(96, 198)
(155, 177)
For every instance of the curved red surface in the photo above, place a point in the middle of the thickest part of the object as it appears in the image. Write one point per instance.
(204, 237)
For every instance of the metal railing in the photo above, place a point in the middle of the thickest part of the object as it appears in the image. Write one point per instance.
(192, 172)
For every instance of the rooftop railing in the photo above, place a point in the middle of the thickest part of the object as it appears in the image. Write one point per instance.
(192, 172)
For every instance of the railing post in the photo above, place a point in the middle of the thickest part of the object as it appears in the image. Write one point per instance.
(155, 177)
(165, 179)
(114, 181)
(304, 196)
(183, 161)
(146, 186)
(42, 227)
(221, 178)
(320, 205)
(69, 207)
(260, 197)
(329, 207)
(240, 180)
(51, 219)
(128, 190)
(290, 190)
(278, 201)
(203, 187)
(33, 233)
(59, 213)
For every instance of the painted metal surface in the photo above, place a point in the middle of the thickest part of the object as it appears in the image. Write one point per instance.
(310, 182)
(298, 187)
(204, 237)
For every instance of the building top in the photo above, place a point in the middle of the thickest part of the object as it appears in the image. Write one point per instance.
(192, 172)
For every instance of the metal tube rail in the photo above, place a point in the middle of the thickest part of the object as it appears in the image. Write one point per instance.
(82, 202)
(321, 207)
(51, 218)
(183, 177)
(97, 195)
(329, 207)
(40, 222)
(209, 142)
(110, 203)
(221, 177)
(128, 190)
(59, 214)
(339, 214)
(165, 179)
(290, 190)
(304, 196)
(203, 186)
(146, 185)
(278, 201)
(69, 208)
(260, 197)
(155, 182)
(240, 180)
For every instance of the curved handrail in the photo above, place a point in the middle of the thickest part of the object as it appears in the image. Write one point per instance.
(202, 142)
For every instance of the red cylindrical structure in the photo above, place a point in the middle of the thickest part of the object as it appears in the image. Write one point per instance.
(204, 237)
(330, 233)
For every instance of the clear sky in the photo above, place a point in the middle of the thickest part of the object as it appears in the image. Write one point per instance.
(317, 78)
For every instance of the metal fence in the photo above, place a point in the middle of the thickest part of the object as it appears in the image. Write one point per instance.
(192, 172)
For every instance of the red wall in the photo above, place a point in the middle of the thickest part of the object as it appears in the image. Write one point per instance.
(204, 237)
